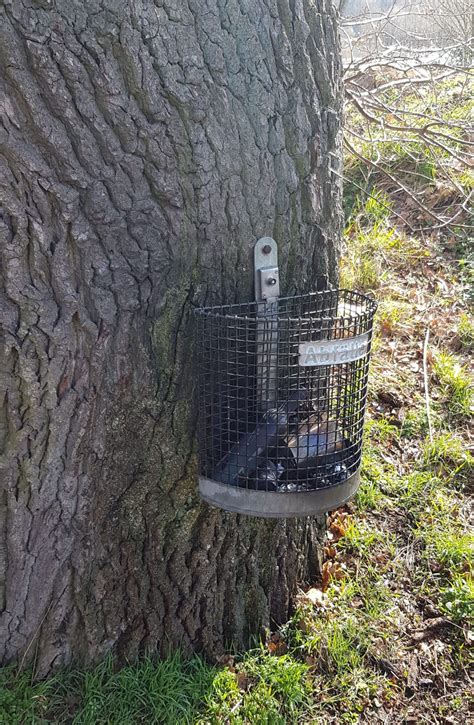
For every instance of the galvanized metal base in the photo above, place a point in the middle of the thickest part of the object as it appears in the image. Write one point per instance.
(273, 505)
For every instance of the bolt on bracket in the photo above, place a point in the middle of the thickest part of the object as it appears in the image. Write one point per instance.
(267, 279)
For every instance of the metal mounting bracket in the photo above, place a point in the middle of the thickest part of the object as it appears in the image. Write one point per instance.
(267, 291)
(267, 279)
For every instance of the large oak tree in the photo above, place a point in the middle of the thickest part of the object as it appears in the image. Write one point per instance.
(145, 146)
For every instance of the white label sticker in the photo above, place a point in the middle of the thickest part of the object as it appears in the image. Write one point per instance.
(333, 352)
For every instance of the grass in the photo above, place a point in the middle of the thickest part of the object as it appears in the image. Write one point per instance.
(372, 244)
(455, 383)
(365, 262)
(447, 455)
(360, 539)
(414, 424)
(457, 599)
(466, 331)
(261, 689)
(164, 691)
(391, 314)
(369, 495)
(21, 700)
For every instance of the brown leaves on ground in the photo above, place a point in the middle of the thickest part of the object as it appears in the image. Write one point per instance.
(226, 660)
(430, 627)
(338, 523)
(331, 570)
(330, 551)
(337, 526)
(277, 645)
(243, 680)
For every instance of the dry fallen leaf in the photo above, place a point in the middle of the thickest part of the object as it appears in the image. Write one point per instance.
(330, 551)
(242, 680)
(338, 525)
(277, 645)
(315, 596)
(225, 660)
(331, 570)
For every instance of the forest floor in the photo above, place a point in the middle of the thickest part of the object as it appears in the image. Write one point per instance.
(384, 636)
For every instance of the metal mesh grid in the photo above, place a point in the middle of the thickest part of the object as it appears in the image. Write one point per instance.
(267, 421)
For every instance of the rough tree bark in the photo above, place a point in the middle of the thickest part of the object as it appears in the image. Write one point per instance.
(145, 147)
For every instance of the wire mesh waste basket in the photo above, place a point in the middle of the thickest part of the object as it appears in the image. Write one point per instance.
(282, 393)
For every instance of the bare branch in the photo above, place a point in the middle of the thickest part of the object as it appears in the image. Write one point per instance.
(393, 56)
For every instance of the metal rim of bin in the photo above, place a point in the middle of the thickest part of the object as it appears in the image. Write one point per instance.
(271, 505)
(224, 312)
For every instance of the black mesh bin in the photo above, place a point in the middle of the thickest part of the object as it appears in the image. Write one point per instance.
(282, 393)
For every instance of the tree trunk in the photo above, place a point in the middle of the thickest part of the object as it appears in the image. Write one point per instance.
(145, 147)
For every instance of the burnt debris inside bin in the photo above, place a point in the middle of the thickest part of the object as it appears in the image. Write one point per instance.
(282, 392)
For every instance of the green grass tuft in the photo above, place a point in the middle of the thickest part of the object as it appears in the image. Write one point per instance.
(457, 600)
(168, 691)
(466, 331)
(369, 496)
(22, 700)
(449, 455)
(455, 382)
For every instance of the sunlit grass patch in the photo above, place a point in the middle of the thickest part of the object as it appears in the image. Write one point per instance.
(223, 696)
(449, 455)
(373, 242)
(364, 264)
(445, 540)
(261, 688)
(338, 644)
(285, 678)
(414, 423)
(413, 491)
(371, 465)
(466, 179)
(457, 599)
(466, 331)
(369, 496)
(376, 208)
(378, 477)
(381, 430)
(361, 538)
(390, 315)
(365, 591)
(455, 382)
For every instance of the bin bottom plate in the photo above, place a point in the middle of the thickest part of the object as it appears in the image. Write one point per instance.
(274, 505)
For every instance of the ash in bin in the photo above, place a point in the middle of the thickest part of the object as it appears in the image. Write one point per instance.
(309, 459)
(311, 479)
(267, 476)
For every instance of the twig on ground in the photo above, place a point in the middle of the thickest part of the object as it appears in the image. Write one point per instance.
(425, 376)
